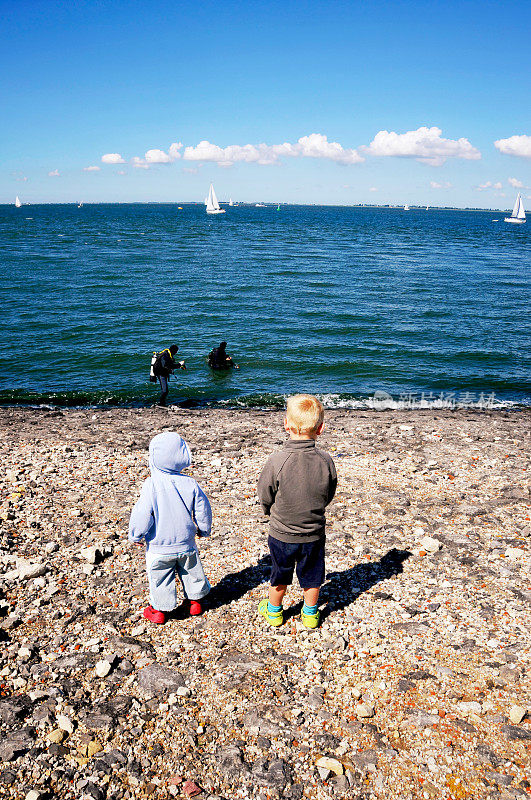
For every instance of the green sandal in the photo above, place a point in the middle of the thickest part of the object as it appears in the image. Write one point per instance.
(310, 620)
(276, 618)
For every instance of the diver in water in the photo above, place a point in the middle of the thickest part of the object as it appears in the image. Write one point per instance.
(163, 367)
(218, 358)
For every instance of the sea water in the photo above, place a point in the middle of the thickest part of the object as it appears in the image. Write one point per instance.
(367, 307)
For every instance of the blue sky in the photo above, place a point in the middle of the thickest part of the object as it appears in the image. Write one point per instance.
(413, 94)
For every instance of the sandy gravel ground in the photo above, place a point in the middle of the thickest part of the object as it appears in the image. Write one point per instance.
(416, 685)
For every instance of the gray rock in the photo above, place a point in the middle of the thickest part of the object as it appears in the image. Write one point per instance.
(422, 719)
(340, 782)
(14, 709)
(256, 724)
(366, 760)
(510, 673)
(16, 743)
(278, 774)
(515, 733)
(231, 761)
(156, 678)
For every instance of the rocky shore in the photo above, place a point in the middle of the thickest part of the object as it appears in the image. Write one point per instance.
(416, 685)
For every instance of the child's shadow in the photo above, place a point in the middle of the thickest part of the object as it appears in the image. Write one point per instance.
(343, 588)
(236, 584)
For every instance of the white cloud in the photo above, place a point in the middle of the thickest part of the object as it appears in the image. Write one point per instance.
(157, 157)
(424, 144)
(190, 170)
(91, 169)
(54, 174)
(316, 145)
(373, 189)
(174, 150)
(139, 163)
(515, 183)
(515, 146)
(483, 187)
(112, 158)
(437, 185)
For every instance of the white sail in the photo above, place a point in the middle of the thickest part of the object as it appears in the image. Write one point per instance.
(212, 205)
(18, 202)
(230, 202)
(212, 200)
(518, 215)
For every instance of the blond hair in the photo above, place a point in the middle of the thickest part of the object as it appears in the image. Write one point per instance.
(304, 413)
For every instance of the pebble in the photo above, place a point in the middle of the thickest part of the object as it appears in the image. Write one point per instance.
(65, 723)
(516, 714)
(57, 735)
(238, 709)
(103, 668)
(364, 710)
(329, 765)
(430, 544)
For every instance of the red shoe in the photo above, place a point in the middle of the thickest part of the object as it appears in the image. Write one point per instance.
(158, 617)
(195, 608)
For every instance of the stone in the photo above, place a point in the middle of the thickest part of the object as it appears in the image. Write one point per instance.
(516, 714)
(156, 678)
(91, 554)
(364, 710)
(14, 709)
(57, 735)
(93, 747)
(510, 673)
(470, 708)
(27, 570)
(191, 789)
(65, 723)
(93, 791)
(329, 764)
(515, 733)
(33, 794)
(103, 668)
(15, 743)
(514, 552)
(430, 544)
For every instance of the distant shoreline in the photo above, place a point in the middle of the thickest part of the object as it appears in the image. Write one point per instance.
(252, 204)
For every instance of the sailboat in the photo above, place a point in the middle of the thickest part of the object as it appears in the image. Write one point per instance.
(406, 207)
(230, 202)
(212, 205)
(518, 215)
(18, 201)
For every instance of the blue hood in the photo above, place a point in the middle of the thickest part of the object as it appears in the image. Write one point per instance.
(172, 508)
(168, 452)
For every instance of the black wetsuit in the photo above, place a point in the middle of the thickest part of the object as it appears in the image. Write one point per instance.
(218, 359)
(163, 369)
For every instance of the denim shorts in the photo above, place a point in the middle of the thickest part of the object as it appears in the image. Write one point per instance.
(307, 558)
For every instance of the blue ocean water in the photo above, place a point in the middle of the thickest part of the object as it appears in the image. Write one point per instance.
(419, 306)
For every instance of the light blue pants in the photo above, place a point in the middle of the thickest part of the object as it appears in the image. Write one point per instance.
(162, 569)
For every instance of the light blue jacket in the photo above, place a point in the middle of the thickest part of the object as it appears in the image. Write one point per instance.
(172, 508)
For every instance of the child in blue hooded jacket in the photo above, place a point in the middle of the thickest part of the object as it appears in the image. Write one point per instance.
(171, 511)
